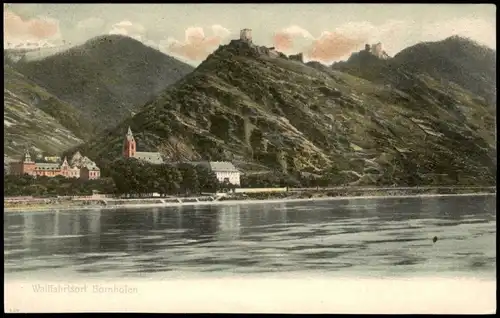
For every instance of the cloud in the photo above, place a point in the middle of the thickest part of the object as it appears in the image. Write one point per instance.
(90, 23)
(118, 31)
(341, 41)
(298, 31)
(125, 27)
(375, 33)
(326, 48)
(18, 29)
(477, 29)
(151, 43)
(196, 46)
(331, 46)
(285, 39)
(395, 35)
(220, 31)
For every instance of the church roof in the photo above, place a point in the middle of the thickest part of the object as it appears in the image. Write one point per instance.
(151, 157)
(215, 166)
(92, 167)
(77, 155)
(47, 166)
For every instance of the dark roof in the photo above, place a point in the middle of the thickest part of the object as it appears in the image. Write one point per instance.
(47, 166)
(92, 166)
(151, 157)
(216, 166)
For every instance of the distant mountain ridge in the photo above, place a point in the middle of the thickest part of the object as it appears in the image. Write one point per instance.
(456, 59)
(107, 78)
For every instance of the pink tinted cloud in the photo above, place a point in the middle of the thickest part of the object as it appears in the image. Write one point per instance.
(331, 46)
(197, 46)
(17, 28)
(283, 41)
(326, 48)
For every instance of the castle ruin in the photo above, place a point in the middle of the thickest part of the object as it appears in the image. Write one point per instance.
(377, 50)
(297, 57)
(246, 35)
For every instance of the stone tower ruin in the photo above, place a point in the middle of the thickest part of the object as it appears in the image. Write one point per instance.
(246, 35)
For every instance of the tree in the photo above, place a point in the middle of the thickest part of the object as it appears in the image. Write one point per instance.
(147, 179)
(207, 179)
(126, 174)
(169, 179)
(190, 182)
(54, 186)
(225, 186)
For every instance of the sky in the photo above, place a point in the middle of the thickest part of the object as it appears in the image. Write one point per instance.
(190, 32)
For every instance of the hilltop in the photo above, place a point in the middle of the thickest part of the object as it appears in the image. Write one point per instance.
(456, 60)
(107, 78)
(267, 112)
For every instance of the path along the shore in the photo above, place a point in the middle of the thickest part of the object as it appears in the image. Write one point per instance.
(161, 203)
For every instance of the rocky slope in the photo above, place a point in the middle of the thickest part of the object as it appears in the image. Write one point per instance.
(36, 119)
(264, 111)
(106, 78)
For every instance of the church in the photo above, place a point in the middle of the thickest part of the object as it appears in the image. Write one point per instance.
(225, 171)
(130, 150)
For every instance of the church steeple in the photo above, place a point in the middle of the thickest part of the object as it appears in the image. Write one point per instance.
(129, 147)
(27, 156)
(130, 135)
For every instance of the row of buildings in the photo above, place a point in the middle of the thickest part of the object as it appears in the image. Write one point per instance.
(83, 168)
(78, 167)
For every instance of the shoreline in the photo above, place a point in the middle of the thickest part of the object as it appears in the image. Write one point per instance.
(235, 202)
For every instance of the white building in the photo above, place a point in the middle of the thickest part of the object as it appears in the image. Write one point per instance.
(224, 170)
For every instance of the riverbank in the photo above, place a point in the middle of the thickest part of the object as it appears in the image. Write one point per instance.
(256, 198)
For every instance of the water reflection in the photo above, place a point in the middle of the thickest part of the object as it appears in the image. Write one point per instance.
(370, 235)
(155, 212)
(29, 229)
(229, 222)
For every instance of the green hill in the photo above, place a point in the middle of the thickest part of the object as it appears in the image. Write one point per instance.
(107, 78)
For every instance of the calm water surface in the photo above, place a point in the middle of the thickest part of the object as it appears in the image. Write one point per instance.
(357, 236)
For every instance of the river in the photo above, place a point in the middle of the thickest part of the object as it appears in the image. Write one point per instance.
(382, 237)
